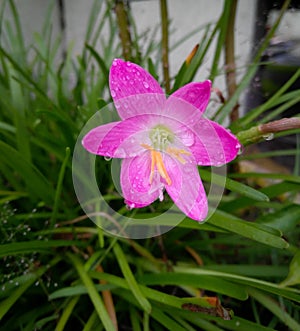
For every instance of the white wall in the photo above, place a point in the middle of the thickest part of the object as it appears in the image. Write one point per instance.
(185, 16)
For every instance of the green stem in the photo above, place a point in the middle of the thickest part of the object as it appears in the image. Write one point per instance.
(230, 58)
(222, 28)
(263, 131)
(165, 43)
(124, 28)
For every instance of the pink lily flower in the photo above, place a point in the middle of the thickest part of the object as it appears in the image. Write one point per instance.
(161, 140)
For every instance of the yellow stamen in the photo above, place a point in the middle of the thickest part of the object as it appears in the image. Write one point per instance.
(177, 153)
(157, 160)
(152, 166)
(160, 166)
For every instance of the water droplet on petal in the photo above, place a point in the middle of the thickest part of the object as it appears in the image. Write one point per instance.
(130, 206)
(188, 138)
(107, 158)
(146, 85)
(219, 164)
(113, 93)
(128, 64)
(161, 195)
(115, 63)
(269, 136)
(120, 152)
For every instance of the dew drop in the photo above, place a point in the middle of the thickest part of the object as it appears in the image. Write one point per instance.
(128, 64)
(120, 153)
(188, 138)
(146, 85)
(161, 195)
(107, 158)
(130, 206)
(115, 63)
(113, 93)
(269, 136)
(240, 149)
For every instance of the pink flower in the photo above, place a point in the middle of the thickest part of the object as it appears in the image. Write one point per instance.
(161, 140)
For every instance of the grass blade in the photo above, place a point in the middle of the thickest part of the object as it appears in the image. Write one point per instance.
(133, 285)
(92, 292)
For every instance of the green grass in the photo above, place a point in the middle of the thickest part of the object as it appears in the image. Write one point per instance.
(59, 271)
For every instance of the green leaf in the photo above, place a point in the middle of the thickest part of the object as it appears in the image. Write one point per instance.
(166, 321)
(210, 283)
(59, 187)
(285, 219)
(253, 231)
(35, 246)
(66, 313)
(77, 290)
(234, 186)
(293, 277)
(36, 183)
(275, 308)
(290, 293)
(93, 293)
(271, 191)
(122, 260)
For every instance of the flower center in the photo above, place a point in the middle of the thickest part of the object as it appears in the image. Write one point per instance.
(161, 137)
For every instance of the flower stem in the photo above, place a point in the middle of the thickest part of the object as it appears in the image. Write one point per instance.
(165, 43)
(124, 28)
(230, 58)
(262, 131)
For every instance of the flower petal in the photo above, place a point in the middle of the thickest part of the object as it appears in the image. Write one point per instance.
(135, 181)
(140, 104)
(187, 189)
(92, 140)
(128, 79)
(182, 111)
(213, 144)
(197, 94)
(126, 139)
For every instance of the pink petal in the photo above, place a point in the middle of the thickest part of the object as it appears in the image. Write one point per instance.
(182, 111)
(197, 94)
(213, 144)
(126, 139)
(136, 188)
(187, 189)
(140, 104)
(128, 79)
(93, 139)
